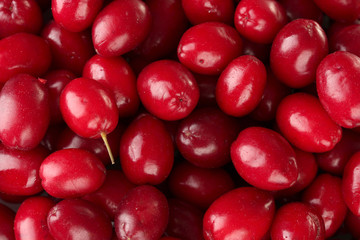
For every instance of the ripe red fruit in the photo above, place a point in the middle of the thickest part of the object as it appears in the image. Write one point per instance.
(297, 51)
(168, 90)
(225, 219)
(31, 217)
(23, 53)
(339, 10)
(116, 74)
(78, 219)
(87, 173)
(7, 217)
(19, 170)
(264, 159)
(241, 85)
(89, 109)
(207, 48)
(346, 39)
(337, 83)
(19, 16)
(25, 113)
(304, 123)
(259, 20)
(120, 27)
(302, 9)
(73, 15)
(143, 214)
(350, 184)
(146, 151)
(296, 221)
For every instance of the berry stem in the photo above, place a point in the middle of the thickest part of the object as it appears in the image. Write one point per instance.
(104, 138)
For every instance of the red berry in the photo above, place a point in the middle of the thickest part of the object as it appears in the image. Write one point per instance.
(350, 184)
(87, 173)
(168, 90)
(209, 47)
(7, 217)
(343, 11)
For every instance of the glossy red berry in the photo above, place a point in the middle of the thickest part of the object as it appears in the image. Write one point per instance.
(87, 173)
(296, 221)
(25, 113)
(70, 50)
(143, 214)
(302, 9)
(337, 80)
(304, 123)
(350, 184)
(146, 151)
(325, 195)
(263, 158)
(204, 137)
(225, 219)
(7, 217)
(241, 85)
(199, 186)
(19, 16)
(23, 53)
(259, 20)
(111, 192)
(297, 51)
(88, 108)
(167, 90)
(75, 16)
(207, 48)
(120, 27)
(19, 170)
(200, 11)
(346, 39)
(31, 217)
(116, 74)
(78, 219)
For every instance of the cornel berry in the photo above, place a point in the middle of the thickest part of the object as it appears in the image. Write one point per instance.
(179, 119)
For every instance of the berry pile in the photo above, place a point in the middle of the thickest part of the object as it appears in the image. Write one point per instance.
(179, 119)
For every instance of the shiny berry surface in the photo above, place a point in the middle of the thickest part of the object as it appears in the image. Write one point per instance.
(87, 173)
(343, 11)
(350, 184)
(208, 47)
(304, 122)
(337, 83)
(225, 217)
(264, 159)
(296, 52)
(7, 217)
(241, 85)
(168, 90)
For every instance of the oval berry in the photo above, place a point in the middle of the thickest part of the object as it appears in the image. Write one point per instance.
(87, 173)
(339, 10)
(23, 53)
(78, 219)
(337, 83)
(73, 15)
(259, 20)
(143, 214)
(168, 90)
(304, 123)
(146, 151)
(264, 159)
(88, 108)
(19, 170)
(120, 27)
(25, 113)
(225, 219)
(302, 9)
(204, 137)
(31, 217)
(241, 85)
(116, 74)
(19, 16)
(297, 51)
(297, 221)
(325, 195)
(208, 48)
(7, 217)
(351, 183)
